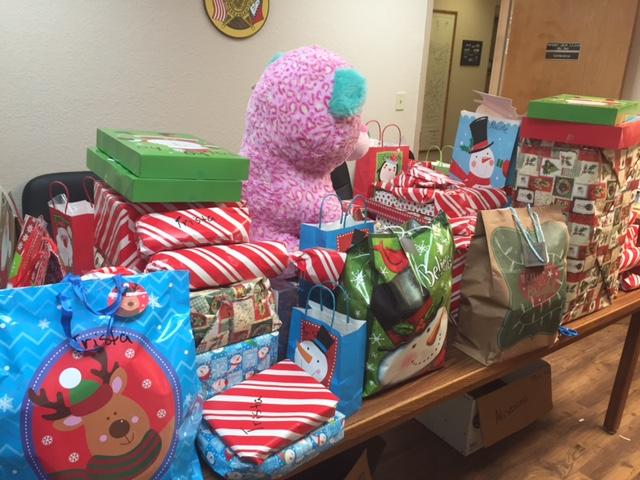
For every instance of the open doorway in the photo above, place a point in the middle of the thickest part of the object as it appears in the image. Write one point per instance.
(460, 58)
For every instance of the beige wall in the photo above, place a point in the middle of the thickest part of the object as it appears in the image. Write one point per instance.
(69, 66)
(474, 22)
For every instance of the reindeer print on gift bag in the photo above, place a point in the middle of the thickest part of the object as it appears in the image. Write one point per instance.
(90, 391)
(107, 417)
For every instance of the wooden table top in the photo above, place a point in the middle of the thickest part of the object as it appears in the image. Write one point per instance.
(460, 375)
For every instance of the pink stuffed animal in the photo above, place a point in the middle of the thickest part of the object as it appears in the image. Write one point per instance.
(302, 122)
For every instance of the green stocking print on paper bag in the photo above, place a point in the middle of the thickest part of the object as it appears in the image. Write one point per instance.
(536, 293)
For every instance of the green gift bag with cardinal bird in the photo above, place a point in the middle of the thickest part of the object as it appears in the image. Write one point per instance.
(400, 281)
(514, 283)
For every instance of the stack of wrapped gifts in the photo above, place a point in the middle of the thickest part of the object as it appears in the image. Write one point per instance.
(583, 155)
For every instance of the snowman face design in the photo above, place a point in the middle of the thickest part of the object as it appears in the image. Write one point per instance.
(178, 145)
(235, 361)
(388, 171)
(263, 352)
(416, 355)
(482, 163)
(203, 372)
(219, 385)
(65, 248)
(312, 360)
(289, 456)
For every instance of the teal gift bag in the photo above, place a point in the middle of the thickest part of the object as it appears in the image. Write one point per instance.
(330, 346)
(97, 379)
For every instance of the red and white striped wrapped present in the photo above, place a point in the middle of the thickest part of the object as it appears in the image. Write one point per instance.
(195, 227)
(631, 254)
(115, 221)
(220, 265)
(320, 265)
(422, 192)
(463, 229)
(269, 411)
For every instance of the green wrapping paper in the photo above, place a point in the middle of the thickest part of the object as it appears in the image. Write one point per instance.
(161, 190)
(171, 155)
(400, 282)
(222, 316)
(581, 109)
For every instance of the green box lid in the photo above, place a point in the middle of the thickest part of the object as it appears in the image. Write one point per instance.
(582, 109)
(137, 189)
(171, 155)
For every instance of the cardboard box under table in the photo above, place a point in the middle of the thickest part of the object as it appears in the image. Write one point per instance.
(592, 173)
(491, 413)
(143, 189)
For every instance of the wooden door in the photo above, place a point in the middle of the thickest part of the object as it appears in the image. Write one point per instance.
(539, 29)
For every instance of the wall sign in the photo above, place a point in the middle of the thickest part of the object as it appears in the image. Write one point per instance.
(562, 51)
(471, 53)
(237, 18)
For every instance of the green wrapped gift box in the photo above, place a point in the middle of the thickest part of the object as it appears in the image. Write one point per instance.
(137, 189)
(171, 155)
(581, 109)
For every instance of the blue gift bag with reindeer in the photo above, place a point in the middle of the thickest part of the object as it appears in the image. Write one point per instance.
(330, 346)
(97, 379)
(339, 234)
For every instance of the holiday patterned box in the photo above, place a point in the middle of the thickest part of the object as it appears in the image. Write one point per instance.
(227, 366)
(581, 109)
(115, 221)
(171, 155)
(269, 411)
(137, 189)
(595, 189)
(222, 316)
(220, 265)
(227, 465)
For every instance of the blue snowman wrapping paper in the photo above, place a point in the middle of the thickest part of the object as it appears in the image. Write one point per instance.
(484, 150)
(223, 462)
(225, 367)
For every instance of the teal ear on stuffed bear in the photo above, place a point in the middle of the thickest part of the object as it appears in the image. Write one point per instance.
(349, 93)
(277, 56)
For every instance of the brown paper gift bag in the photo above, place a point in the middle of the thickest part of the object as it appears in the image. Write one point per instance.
(509, 308)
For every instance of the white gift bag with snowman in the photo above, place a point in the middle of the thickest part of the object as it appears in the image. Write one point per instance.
(331, 347)
(486, 144)
(73, 229)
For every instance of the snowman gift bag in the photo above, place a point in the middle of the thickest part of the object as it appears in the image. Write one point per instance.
(484, 150)
(400, 281)
(73, 229)
(330, 346)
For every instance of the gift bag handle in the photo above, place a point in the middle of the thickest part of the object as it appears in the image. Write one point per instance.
(333, 298)
(66, 307)
(434, 147)
(535, 220)
(85, 181)
(66, 191)
(379, 128)
(324, 199)
(399, 133)
(351, 204)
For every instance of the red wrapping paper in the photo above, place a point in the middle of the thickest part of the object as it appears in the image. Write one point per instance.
(216, 266)
(196, 227)
(320, 265)
(269, 411)
(115, 218)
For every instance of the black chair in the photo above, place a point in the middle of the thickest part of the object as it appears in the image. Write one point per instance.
(35, 194)
(341, 182)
